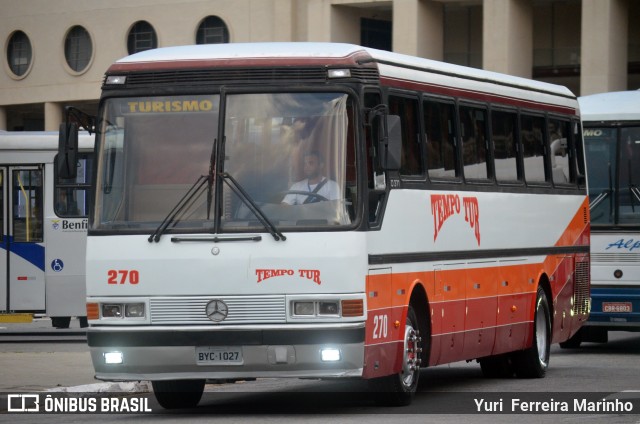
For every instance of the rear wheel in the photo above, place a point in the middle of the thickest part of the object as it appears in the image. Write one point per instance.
(534, 361)
(399, 389)
(61, 322)
(174, 394)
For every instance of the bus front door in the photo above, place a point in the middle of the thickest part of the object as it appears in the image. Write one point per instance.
(22, 244)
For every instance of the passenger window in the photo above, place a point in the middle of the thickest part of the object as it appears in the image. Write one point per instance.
(407, 109)
(532, 136)
(505, 153)
(440, 129)
(560, 142)
(473, 132)
(72, 195)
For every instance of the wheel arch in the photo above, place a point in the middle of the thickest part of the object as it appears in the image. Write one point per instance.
(419, 300)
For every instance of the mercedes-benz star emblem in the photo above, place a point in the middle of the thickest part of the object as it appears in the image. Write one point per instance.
(217, 310)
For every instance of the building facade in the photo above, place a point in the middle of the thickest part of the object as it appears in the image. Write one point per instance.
(56, 52)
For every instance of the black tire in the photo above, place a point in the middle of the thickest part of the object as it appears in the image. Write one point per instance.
(61, 322)
(175, 394)
(83, 322)
(534, 361)
(400, 389)
(574, 341)
(498, 366)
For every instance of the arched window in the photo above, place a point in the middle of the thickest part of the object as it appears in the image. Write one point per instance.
(78, 48)
(141, 37)
(19, 53)
(212, 30)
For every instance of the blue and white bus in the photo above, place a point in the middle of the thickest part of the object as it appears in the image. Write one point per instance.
(611, 123)
(43, 219)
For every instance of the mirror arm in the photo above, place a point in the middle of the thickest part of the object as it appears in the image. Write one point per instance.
(83, 119)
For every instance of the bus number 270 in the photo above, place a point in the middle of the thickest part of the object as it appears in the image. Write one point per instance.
(123, 276)
(380, 324)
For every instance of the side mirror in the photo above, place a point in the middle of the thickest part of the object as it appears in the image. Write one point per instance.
(390, 143)
(67, 158)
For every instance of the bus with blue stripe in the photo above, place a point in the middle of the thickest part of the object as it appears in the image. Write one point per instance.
(43, 219)
(611, 123)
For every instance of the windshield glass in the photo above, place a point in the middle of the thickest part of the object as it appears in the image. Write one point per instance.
(292, 153)
(153, 150)
(613, 174)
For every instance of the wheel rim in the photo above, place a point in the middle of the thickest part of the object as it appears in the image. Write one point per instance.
(542, 335)
(411, 360)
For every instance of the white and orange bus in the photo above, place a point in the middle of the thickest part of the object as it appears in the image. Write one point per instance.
(330, 211)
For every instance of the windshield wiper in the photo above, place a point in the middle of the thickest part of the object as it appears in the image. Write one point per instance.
(179, 207)
(603, 195)
(247, 200)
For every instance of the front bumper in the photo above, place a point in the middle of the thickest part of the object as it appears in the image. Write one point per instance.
(169, 352)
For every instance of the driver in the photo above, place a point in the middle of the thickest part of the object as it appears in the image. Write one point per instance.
(315, 182)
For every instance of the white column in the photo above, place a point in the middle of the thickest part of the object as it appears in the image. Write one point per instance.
(53, 116)
(507, 37)
(3, 118)
(418, 28)
(603, 65)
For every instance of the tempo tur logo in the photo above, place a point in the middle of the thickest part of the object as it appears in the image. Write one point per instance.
(23, 403)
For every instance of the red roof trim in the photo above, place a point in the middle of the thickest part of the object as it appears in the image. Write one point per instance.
(351, 60)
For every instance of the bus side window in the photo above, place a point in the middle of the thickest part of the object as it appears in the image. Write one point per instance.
(532, 137)
(560, 139)
(412, 156)
(71, 196)
(503, 135)
(440, 129)
(27, 205)
(473, 128)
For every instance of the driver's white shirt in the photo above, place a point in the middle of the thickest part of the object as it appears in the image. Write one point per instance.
(330, 191)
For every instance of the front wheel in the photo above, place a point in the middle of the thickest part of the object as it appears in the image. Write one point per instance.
(534, 361)
(400, 389)
(174, 394)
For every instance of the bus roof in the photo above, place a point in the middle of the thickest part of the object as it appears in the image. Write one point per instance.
(614, 106)
(256, 54)
(39, 140)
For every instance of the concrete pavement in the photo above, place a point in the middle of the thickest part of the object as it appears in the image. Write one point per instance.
(37, 357)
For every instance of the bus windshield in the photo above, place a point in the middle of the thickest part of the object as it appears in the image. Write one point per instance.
(285, 152)
(614, 177)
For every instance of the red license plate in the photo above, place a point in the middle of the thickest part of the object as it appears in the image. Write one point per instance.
(617, 307)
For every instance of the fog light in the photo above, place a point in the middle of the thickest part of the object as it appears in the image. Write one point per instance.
(330, 355)
(303, 308)
(134, 310)
(113, 357)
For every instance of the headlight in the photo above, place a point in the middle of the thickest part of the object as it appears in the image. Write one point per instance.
(304, 308)
(111, 311)
(122, 310)
(134, 310)
(327, 308)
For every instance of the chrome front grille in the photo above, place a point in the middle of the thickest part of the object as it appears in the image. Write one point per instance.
(581, 297)
(241, 310)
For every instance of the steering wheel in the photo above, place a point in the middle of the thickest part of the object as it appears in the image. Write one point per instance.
(305, 193)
